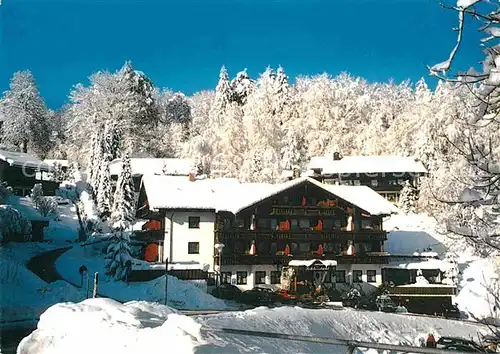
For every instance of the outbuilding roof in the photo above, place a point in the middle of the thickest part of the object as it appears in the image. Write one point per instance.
(152, 166)
(20, 159)
(366, 164)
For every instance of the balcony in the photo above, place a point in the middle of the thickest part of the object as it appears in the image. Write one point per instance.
(149, 235)
(289, 210)
(428, 290)
(302, 235)
(367, 258)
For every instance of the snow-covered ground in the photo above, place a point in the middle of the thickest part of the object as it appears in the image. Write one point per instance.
(181, 294)
(105, 326)
(24, 296)
(65, 228)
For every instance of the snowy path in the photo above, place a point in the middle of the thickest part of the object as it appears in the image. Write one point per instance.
(43, 265)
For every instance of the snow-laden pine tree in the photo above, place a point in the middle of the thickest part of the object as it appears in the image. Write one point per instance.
(123, 210)
(232, 145)
(104, 189)
(242, 86)
(118, 256)
(408, 198)
(26, 119)
(223, 93)
(262, 160)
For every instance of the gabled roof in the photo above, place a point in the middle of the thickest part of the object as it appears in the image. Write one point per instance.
(225, 194)
(20, 159)
(366, 164)
(152, 166)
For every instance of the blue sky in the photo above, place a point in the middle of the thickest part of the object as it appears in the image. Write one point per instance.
(181, 44)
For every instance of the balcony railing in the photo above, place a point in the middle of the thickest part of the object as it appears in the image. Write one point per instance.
(428, 290)
(303, 210)
(366, 235)
(367, 258)
(149, 235)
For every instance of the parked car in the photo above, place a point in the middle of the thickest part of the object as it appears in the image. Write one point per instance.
(257, 296)
(451, 311)
(227, 292)
(284, 296)
(385, 304)
(459, 344)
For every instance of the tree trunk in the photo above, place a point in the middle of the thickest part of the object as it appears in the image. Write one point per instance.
(25, 146)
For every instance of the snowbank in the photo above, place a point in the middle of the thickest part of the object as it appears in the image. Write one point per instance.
(181, 294)
(105, 326)
(475, 298)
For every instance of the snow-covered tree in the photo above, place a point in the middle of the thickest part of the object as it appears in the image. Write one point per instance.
(46, 206)
(223, 92)
(242, 86)
(408, 198)
(14, 227)
(36, 193)
(5, 192)
(475, 212)
(104, 189)
(118, 256)
(26, 119)
(123, 211)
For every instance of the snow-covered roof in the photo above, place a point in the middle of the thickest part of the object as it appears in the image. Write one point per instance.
(63, 163)
(20, 159)
(367, 164)
(168, 192)
(310, 262)
(429, 264)
(151, 166)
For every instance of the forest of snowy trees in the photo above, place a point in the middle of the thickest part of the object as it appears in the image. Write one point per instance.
(249, 128)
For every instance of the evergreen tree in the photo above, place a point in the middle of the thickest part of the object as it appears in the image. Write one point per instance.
(96, 157)
(408, 198)
(118, 256)
(104, 189)
(26, 119)
(242, 86)
(123, 211)
(223, 93)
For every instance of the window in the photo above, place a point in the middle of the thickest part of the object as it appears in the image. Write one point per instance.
(374, 183)
(275, 277)
(304, 223)
(225, 277)
(357, 182)
(193, 247)
(401, 182)
(371, 276)
(357, 276)
(194, 222)
(241, 278)
(340, 276)
(260, 277)
(304, 247)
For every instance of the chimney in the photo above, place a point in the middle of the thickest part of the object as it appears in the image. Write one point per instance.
(336, 156)
(191, 177)
(296, 172)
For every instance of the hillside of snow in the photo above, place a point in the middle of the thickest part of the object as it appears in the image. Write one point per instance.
(181, 294)
(105, 326)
